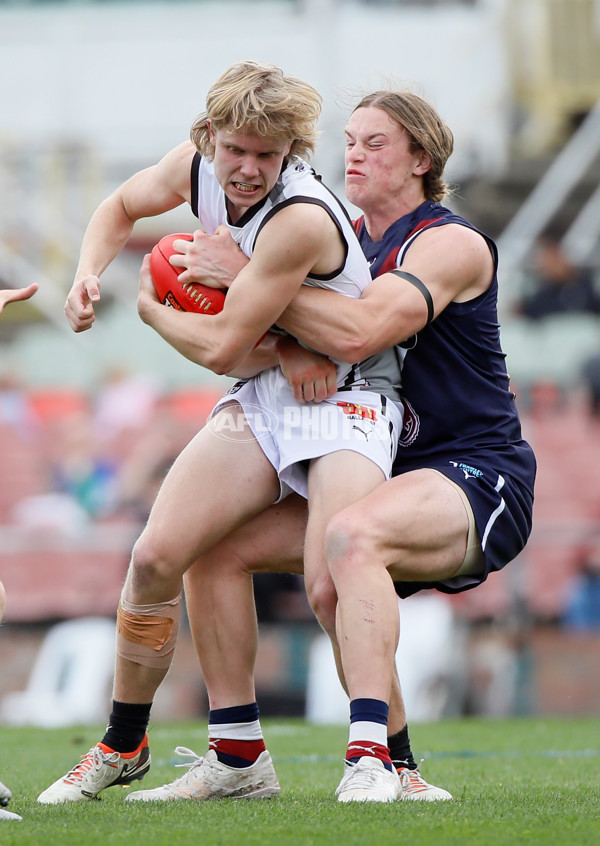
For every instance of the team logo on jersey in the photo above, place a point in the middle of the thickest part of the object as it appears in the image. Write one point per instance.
(236, 387)
(470, 472)
(411, 424)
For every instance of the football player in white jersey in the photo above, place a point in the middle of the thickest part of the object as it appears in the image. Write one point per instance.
(257, 121)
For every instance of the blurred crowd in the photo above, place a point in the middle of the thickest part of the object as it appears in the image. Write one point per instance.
(555, 285)
(73, 460)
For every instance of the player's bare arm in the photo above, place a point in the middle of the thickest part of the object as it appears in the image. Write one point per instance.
(216, 260)
(149, 192)
(280, 262)
(453, 261)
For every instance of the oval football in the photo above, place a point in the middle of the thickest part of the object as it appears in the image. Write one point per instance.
(195, 297)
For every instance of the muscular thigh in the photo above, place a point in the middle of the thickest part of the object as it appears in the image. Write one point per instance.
(273, 541)
(417, 524)
(270, 542)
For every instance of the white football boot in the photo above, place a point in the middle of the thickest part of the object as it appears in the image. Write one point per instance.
(414, 787)
(8, 815)
(208, 778)
(368, 780)
(100, 768)
(5, 794)
(5, 797)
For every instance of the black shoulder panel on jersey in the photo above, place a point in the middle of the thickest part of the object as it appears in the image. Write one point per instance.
(194, 183)
(315, 201)
(414, 280)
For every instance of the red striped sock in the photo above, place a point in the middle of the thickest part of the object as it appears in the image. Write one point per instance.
(367, 748)
(237, 753)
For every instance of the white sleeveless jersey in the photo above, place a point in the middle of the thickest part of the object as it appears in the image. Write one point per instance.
(298, 183)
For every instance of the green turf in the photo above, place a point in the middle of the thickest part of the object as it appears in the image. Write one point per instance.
(514, 782)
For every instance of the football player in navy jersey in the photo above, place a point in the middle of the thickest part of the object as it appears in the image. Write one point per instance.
(459, 506)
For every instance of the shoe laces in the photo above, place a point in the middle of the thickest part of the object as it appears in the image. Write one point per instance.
(411, 778)
(91, 760)
(196, 762)
(361, 776)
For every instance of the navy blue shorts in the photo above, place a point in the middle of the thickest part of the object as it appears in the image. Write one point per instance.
(499, 486)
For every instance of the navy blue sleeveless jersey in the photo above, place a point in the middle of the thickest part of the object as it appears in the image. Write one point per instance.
(460, 414)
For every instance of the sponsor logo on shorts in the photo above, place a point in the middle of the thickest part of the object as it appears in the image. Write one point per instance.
(470, 472)
(358, 412)
(362, 431)
(311, 422)
(324, 422)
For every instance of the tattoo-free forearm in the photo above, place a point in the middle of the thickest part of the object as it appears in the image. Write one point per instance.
(326, 322)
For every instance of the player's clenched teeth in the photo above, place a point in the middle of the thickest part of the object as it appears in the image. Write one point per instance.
(244, 186)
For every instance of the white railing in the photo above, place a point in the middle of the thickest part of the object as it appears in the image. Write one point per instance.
(565, 172)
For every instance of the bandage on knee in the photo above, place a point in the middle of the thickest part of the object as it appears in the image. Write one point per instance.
(147, 634)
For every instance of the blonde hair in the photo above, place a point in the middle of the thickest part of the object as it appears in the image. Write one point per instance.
(427, 132)
(258, 98)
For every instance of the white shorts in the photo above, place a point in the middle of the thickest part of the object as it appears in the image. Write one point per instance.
(291, 433)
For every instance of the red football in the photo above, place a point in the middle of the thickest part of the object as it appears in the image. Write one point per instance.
(187, 297)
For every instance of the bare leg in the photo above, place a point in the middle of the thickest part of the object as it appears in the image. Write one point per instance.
(220, 598)
(397, 719)
(220, 603)
(413, 527)
(335, 481)
(184, 523)
(215, 486)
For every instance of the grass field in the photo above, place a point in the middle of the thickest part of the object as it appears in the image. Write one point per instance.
(514, 781)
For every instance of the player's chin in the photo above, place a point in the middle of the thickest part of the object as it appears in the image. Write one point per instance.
(354, 186)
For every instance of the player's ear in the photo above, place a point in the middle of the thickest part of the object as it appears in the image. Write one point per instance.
(423, 163)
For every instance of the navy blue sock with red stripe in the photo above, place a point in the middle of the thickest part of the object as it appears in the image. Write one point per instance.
(368, 731)
(236, 735)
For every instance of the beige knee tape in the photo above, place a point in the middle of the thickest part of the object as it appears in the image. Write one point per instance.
(147, 634)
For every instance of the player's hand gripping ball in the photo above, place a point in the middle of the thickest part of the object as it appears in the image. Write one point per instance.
(189, 296)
